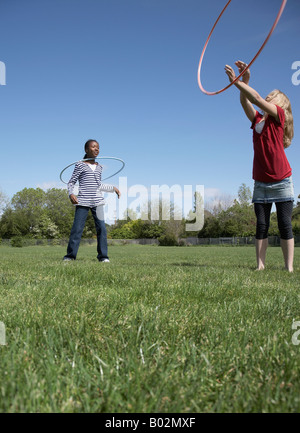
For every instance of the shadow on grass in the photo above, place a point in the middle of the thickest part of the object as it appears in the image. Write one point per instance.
(187, 264)
(210, 265)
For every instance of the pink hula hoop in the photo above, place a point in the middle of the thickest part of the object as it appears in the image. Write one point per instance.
(252, 61)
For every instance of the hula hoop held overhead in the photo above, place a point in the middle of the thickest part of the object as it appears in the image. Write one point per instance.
(252, 61)
(89, 159)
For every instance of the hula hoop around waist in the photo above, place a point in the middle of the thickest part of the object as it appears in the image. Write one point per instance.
(89, 159)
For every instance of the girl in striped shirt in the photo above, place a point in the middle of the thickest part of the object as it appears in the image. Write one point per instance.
(90, 197)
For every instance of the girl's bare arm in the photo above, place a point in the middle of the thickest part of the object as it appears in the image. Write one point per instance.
(252, 96)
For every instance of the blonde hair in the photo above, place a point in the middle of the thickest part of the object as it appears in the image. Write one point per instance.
(280, 99)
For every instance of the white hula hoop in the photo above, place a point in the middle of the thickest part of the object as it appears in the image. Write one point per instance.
(89, 159)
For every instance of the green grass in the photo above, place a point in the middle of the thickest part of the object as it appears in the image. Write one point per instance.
(159, 329)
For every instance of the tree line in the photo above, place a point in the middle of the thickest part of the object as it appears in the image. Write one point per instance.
(35, 213)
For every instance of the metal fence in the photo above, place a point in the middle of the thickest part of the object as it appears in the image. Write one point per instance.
(190, 241)
(273, 240)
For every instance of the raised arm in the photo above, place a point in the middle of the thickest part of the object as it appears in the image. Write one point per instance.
(246, 104)
(250, 96)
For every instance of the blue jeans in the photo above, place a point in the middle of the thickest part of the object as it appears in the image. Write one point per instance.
(81, 214)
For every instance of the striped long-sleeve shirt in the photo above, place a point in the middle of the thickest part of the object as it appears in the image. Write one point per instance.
(90, 185)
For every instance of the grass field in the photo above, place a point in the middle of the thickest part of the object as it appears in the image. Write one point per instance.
(159, 329)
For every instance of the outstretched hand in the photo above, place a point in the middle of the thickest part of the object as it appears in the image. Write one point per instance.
(241, 66)
(230, 72)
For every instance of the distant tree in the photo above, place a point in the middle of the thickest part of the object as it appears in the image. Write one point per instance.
(36, 213)
(130, 230)
(296, 218)
(244, 195)
(235, 220)
(4, 201)
(29, 199)
(158, 218)
(296, 210)
(137, 229)
(212, 227)
(60, 210)
(28, 206)
(10, 226)
(45, 228)
(151, 230)
(219, 203)
(240, 220)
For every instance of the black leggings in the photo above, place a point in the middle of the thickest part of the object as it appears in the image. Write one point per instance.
(284, 219)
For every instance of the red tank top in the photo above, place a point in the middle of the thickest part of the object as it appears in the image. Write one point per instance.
(270, 163)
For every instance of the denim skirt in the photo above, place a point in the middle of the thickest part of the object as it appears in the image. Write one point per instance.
(272, 192)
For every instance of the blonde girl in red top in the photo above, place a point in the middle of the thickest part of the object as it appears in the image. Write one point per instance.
(272, 134)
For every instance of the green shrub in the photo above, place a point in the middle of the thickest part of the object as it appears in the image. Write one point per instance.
(17, 241)
(55, 241)
(168, 241)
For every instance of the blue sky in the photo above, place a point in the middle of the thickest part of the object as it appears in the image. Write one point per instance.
(125, 73)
